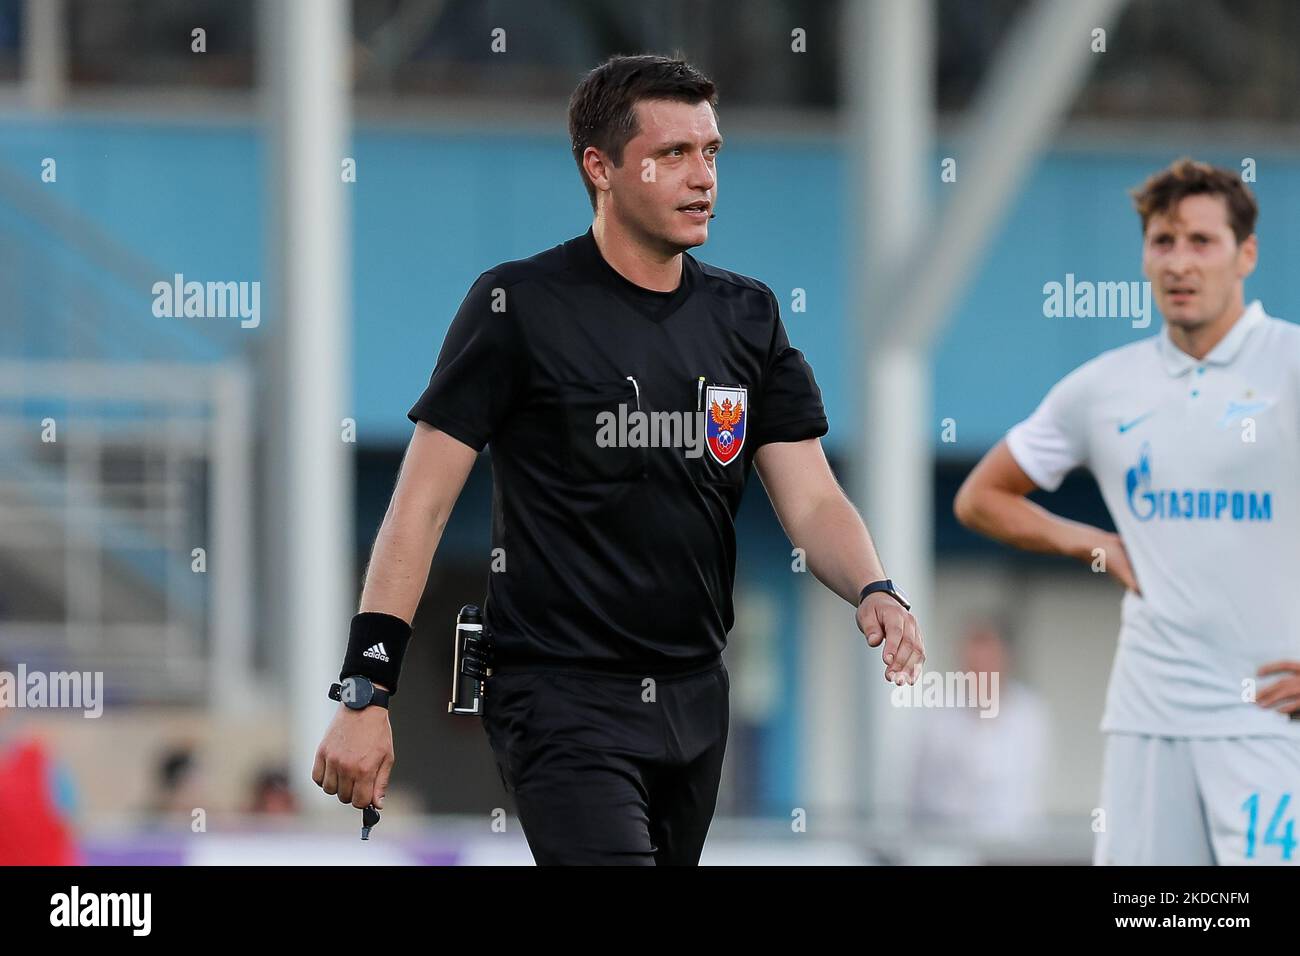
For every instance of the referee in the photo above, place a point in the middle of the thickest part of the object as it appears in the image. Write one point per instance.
(626, 388)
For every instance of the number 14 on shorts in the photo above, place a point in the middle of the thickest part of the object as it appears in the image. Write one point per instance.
(1286, 840)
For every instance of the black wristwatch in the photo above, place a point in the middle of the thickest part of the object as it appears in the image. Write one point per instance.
(358, 693)
(888, 587)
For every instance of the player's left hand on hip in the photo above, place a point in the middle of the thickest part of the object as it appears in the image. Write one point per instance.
(895, 631)
(1285, 693)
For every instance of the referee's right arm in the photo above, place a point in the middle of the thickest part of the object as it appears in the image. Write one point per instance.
(431, 478)
(356, 756)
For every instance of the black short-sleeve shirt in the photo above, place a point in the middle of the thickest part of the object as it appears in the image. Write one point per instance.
(622, 423)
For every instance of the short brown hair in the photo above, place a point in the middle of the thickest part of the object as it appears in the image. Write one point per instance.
(1188, 177)
(602, 109)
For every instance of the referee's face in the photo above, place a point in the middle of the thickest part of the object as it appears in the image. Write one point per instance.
(665, 190)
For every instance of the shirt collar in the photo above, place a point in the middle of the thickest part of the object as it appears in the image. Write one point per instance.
(1177, 362)
(657, 305)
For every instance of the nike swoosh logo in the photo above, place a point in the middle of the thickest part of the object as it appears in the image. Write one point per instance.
(1125, 426)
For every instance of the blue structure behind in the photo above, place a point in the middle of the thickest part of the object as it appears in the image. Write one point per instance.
(430, 211)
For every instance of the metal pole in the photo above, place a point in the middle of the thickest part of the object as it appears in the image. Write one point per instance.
(892, 109)
(310, 103)
(914, 266)
(231, 676)
(45, 54)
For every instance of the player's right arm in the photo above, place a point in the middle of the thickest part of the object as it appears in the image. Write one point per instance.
(992, 500)
(355, 757)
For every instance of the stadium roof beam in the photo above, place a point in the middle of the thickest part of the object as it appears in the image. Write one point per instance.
(916, 264)
(393, 43)
(308, 478)
(1030, 86)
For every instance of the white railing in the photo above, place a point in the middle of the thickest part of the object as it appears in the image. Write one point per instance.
(99, 526)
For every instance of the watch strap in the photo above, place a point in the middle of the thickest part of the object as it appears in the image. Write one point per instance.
(886, 586)
(380, 697)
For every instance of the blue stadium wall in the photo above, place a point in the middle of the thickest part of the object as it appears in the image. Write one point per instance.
(430, 211)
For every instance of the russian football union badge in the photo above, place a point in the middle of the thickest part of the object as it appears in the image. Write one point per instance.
(724, 425)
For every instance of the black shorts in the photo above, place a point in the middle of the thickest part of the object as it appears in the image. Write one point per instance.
(605, 770)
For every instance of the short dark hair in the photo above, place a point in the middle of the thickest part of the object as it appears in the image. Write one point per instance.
(602, 109)
(1188, 177)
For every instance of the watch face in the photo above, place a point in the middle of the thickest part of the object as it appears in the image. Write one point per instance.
(357, 693)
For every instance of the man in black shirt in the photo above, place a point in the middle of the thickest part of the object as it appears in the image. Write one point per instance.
(625, 389)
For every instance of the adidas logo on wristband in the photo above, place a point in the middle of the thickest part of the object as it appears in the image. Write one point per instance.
(377, 652)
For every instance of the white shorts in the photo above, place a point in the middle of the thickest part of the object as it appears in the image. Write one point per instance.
(1199, 801)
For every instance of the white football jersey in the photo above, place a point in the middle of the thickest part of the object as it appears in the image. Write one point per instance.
(1199, 464)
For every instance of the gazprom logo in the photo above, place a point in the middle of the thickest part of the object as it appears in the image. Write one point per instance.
(1196, 504)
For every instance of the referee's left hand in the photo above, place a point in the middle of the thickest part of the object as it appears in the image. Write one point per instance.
(883, 621)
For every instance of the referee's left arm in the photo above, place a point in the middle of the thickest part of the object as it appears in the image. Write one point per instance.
(819, 519)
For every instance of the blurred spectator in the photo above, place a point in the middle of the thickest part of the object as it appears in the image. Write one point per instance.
(37, 798)
(272, 794)
(984, 774)
(178, 787)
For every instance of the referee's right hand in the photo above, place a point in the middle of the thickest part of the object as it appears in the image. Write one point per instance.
(355, 757)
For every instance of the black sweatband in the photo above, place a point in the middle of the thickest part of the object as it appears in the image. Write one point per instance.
(376, 646)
